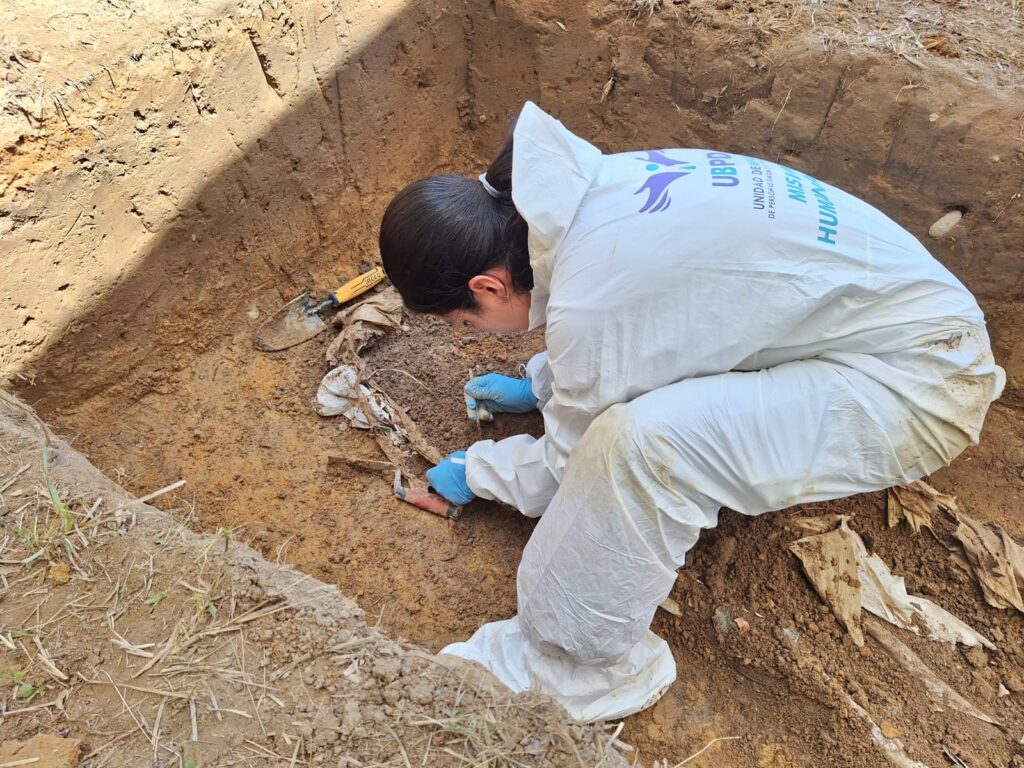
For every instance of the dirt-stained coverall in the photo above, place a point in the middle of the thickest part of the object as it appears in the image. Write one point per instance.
(720, 331)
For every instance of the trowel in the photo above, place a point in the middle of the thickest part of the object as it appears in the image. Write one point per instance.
(431, 502)
(299, 320)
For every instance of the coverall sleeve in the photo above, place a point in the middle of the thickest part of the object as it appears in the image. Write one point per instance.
(539, 373)
(516, 470)
(524, 471)
(513, 471)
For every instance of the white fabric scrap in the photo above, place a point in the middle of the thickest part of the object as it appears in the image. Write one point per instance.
(338, 395)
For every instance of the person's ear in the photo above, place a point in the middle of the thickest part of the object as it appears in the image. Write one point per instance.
(489, 284)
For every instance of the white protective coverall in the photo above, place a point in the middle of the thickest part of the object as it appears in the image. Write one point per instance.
(720, 331)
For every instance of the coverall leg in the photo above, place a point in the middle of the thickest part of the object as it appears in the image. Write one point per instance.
(649, 474)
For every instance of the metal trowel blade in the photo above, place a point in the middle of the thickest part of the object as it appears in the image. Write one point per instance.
(292, 324)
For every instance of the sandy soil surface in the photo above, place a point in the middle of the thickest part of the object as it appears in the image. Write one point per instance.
(129, 640)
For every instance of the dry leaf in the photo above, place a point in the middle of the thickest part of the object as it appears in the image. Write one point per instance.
(607, 90)
(916, 503)
(995, 559)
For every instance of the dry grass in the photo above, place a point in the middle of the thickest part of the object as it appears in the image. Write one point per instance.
(152, 644)
(644, 7)
(981, 30)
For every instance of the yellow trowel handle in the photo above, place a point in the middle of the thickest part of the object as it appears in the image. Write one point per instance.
(358, 286)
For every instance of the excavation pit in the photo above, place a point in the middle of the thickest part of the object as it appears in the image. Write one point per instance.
(179, 224)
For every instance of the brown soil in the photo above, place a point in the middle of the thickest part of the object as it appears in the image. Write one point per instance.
(150, 645)
(441, 362)
(229, 164)
(795, 657)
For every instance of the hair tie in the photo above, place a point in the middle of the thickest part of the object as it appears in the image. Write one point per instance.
(495, 193)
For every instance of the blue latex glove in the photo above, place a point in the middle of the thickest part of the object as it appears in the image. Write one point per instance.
(449, 479)
(495, 393)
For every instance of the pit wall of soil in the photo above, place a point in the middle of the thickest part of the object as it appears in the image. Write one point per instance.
(239, 160)
(211, 170)
(208, 167)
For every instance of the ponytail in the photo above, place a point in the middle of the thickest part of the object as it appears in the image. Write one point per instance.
(498, 175)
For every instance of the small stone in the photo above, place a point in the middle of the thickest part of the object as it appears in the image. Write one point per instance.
(977, 657)
(351, 717)
(944, 224)
(933, 117)
(59, 573)
(421, 693)
(1013, 682)
(1003, 692)
(393, 693)
(387, 668)
(671, 606)
(327, 729)
(889, 730)
(141, 126)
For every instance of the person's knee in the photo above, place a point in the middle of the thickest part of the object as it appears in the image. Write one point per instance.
(643, 441)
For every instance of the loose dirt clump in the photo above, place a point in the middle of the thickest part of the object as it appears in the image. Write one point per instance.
(158, 646)
(426, 367)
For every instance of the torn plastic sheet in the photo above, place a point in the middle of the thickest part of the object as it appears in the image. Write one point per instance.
(363, 324)
(849, 580)
(995, 559)
(939, 691)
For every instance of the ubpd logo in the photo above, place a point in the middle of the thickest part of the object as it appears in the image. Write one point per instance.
(657, 184)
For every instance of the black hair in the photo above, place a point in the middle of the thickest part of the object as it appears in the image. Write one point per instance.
(440, 232)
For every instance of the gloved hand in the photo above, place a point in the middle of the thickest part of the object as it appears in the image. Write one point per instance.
(449, 479)
(495, 393)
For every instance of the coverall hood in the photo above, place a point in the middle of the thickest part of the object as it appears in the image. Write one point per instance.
(548, 158)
